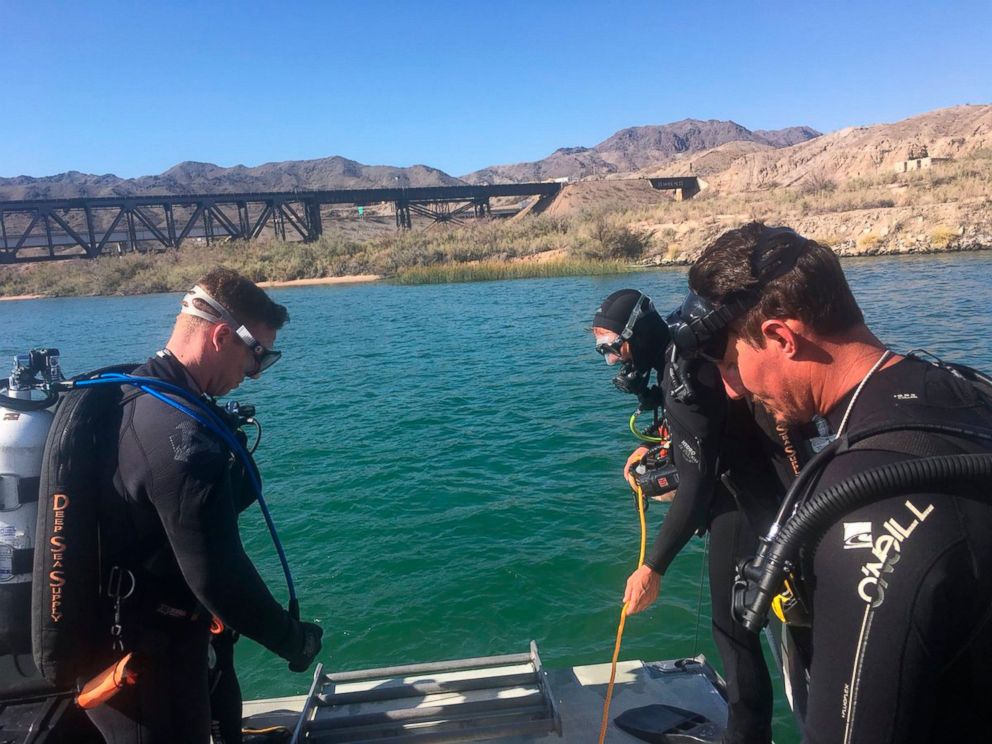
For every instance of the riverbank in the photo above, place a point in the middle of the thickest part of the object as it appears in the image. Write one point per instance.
(356, 279)
(587, 231)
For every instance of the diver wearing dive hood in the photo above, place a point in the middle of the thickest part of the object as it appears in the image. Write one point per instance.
(169, 525)
(708, 437)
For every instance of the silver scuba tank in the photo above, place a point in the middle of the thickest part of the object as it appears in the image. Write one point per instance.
(25, 419)
(22, 443)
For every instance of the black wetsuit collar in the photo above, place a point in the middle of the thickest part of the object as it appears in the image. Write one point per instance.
(165, 366)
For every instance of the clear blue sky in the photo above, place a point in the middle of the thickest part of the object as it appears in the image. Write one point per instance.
(133, 88)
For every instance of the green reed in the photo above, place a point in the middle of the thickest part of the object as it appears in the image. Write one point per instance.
(484, 271)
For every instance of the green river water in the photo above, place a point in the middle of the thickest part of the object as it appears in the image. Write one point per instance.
(443, 462)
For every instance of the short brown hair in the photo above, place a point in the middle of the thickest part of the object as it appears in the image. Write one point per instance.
(814, 290)
(243, 298)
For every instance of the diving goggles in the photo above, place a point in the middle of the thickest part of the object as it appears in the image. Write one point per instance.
(613, 347)
(609, 348)
(264, 357)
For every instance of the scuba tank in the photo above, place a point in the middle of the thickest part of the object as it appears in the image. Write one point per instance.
(25, 421)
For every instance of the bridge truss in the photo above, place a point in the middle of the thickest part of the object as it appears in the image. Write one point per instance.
(53, 229)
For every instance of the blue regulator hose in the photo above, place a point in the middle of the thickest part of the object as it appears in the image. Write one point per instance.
(203, 415)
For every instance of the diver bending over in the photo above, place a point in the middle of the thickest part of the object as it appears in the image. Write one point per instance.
(708, 437)
(900, 590)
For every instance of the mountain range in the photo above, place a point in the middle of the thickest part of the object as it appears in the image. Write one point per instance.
(729, 157)
(626, 151)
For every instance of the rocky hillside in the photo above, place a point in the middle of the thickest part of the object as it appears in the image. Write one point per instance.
(637, 148)
(205, 178)
(855, 152)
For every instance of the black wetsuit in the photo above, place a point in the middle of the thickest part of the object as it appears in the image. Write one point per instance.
(171, 518)
(712, 436)
(902, 590)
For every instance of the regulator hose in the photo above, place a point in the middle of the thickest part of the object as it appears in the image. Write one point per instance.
(953, 473)
(211, 421)
(25, 405)
(806, 479)
(642, 436)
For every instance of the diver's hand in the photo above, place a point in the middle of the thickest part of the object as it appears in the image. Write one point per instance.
(306, 646)
(635, 457)
(642, 589)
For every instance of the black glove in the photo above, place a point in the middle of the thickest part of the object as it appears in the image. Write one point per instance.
(305, 646)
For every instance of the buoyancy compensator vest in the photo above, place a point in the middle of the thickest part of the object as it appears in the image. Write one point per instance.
(66, 590)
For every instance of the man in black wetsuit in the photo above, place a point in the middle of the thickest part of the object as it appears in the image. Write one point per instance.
(901, 590)
(170, 521)
(709, 438)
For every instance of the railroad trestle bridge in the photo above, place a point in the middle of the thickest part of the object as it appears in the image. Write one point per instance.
(54, 229)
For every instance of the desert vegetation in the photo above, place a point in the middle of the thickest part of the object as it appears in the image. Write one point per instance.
(944, 208)
(537, 246)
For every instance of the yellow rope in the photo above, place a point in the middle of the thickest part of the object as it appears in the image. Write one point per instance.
(623, 620)
(282, 730)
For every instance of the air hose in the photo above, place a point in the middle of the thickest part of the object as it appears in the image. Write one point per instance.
(955, 473)
(24, 405)
(643, 437)
(211, 421)
(806, 480)
(623, 619)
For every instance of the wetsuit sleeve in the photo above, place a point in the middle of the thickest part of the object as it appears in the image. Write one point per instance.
(696, 434)
(241, 485)
(187, 481)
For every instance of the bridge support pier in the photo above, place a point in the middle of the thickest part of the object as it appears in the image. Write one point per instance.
(315, 227)
(403, 214)
(132, 237)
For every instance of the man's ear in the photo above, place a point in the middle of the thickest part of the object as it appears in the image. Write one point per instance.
(220, 335)
(778, 335)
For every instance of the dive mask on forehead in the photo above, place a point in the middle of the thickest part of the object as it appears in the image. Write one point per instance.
(700, 328)
(264, 357)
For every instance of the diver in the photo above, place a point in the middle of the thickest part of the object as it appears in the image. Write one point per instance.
(899, 589)
(710, 438)
(169, 529)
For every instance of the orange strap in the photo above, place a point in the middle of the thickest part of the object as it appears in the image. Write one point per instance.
(107, 684)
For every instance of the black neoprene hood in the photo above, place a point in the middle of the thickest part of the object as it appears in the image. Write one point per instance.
(615, 310)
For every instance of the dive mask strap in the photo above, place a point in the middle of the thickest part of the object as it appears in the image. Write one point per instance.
(635, 315)
(199, 293)
(266, 357)
(776, 254)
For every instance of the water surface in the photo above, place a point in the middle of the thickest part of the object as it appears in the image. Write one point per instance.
(444, 462)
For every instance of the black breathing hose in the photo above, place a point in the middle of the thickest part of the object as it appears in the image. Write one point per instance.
(807, 478)
(25, 405)
(955, 474)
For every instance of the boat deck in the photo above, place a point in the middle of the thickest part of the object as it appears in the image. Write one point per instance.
(448, 706)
